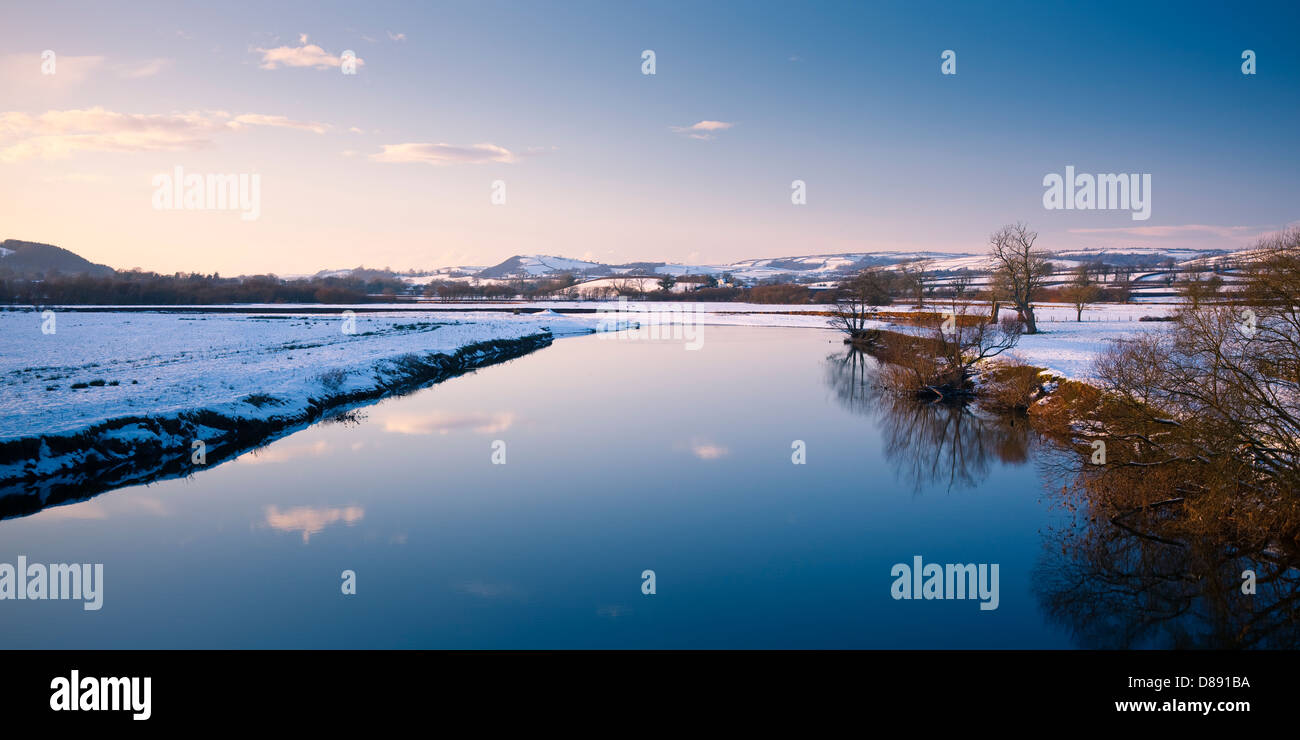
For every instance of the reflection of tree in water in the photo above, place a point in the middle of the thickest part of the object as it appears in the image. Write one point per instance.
(1114, 589)
(850, 376)
(1143, 578)
(927, 444)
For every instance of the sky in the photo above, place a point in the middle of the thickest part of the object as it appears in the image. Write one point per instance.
(545, 105)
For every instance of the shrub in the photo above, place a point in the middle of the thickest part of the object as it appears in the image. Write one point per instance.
(331, 380)
(1011, 385)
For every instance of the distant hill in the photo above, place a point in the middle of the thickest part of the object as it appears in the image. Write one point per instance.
(810, 269)
(32, 259)
(833, 266)
(534, 265)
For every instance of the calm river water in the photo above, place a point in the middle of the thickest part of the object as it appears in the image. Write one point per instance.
(620, 457)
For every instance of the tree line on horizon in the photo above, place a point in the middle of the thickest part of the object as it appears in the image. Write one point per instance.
(913, 280)
(150, 288)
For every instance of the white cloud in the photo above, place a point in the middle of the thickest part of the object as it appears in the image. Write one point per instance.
(305, 55)
(702, 130)
(58, 134)
(396, 36)
(146, 68)
(257, 119)
(444, 154)
(22, 72)
(85, 178)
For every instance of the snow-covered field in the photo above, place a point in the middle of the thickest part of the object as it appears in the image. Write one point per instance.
(1069, 348)
(160, 363)
(1064, 346)
(99, 370)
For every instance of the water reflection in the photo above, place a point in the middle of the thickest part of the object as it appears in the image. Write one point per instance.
(445, 422)
(311, 520)
(491, 590)
(1116, 590)
(283, 452)
(1109, 586)
(546, 552)
(928, 444)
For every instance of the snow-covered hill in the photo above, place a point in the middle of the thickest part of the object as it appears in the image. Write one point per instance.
(807, 268)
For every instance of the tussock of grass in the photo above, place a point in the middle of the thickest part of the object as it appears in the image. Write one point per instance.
(1010, 385)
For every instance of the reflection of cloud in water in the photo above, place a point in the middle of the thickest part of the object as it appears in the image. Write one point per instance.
(94, 510)
(445, 422)
(84, 510)
(150, 505)
(311, 519)
(706, 451)
(279, 452)
(488, 590)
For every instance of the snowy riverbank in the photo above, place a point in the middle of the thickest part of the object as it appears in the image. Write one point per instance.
(108, 390)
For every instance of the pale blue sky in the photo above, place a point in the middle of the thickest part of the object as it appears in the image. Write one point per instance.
(845, 96)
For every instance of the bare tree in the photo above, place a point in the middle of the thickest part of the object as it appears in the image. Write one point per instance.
(1197, 288)
(939, 363)
(960, 283)
(1081, 291)
(997, 292)
(626, 286)
(1207, 414)
(965, 341)
(857, 300)
(1022, 268)
(916, 278)
(1123, 283)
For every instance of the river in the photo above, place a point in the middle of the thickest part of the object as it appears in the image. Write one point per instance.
(612, 457)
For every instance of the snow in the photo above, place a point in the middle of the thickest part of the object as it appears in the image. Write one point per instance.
(1153, 252)
(1068, 348)
(545, 264)
(819, 265)
(595, 305)
(1063, 346)
(643, 284)
(243, 366)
